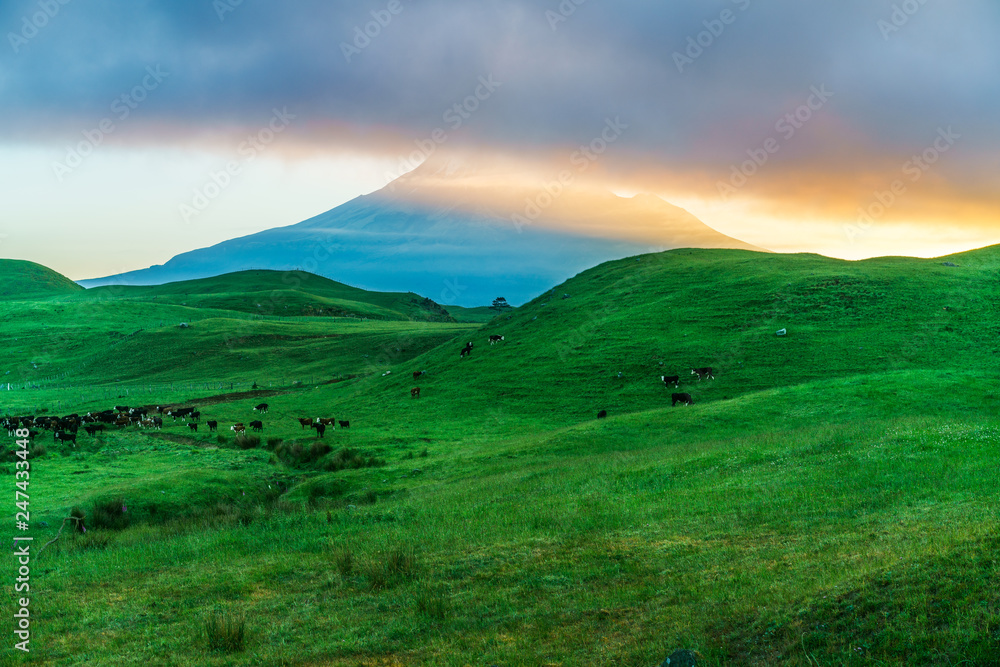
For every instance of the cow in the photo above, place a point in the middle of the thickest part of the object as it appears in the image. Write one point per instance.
(495, 339)
(121, 408)
(466, 350)
(320, 429)
(212, 425)
(92, 429)
(62, 436)
(602, 414)
(193, 426)
(305, 422)
(415, 392)
(195, 415)
(262, 408)
(344, 424)
(256, 426)
(671, 380)
(702, 372)
(157, 422)
(680, 398)
(417, 374)
(238, 428)
(326, 421)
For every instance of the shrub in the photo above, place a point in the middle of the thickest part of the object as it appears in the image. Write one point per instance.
(80, 516)
(398, 563)
(350, 458)
(247, 441)
(110, 513)
(221, 439)
(225, 632)
(273, 442)
(37, 450)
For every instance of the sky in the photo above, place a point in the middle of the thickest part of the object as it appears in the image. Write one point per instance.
(133, 131)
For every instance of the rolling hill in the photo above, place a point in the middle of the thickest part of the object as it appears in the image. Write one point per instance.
(829, 498)
(19, 279)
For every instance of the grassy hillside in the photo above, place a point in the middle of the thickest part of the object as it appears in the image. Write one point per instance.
(19, 279)
(283, 293)
(830, 498)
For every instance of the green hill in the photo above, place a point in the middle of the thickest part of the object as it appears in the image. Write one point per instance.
(21, 279)
(282, 293)
(829, 498)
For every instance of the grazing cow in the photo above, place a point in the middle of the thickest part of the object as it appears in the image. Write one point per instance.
(681, 398)
(212, 425)
(415, 392)
(257, 426)
(305, 422)
(326, 421)
(91, 429)
(671, 379)
(417, 374)
(495, 339)
(121, 408)
(62, 436)
(466, 350)
(702, 373)
(602, 414)
(320, 429)
(195, 415)
(193, 426)
(262, 408)
(344, 424)
(238, 428)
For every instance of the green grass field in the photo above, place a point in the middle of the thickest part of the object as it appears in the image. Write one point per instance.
(830, 498)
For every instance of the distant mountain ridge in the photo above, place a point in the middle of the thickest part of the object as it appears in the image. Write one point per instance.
(461, 245)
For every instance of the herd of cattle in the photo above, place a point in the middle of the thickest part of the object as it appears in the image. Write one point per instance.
(66, 428)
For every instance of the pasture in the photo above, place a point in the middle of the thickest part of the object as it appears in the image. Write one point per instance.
(830, 497)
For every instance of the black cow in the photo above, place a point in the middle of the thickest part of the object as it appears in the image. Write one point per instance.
(212, 425)
(602, 414)
(681, 398)
(702, 373)
(195, 415)
(193, 426)
(671, 379)
(92, 429)
(63, 436)
(262, 408)
(344, 424)
(320, 429)
(466, 350)
(122, 408)
(495, 339)
(256, 426)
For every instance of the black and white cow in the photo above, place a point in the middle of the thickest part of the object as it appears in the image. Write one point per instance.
(680, 398)
(495, 339)
(466, 350)
(671, 380)
(702, 373)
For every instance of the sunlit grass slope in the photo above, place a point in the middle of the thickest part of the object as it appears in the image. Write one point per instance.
(830, 498)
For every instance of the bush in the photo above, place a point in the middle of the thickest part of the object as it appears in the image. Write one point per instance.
(37, 450)
(273, 442)
(350, 458)
(397, 564)
(221, 439)
(79, 525)
(248, 441)
(111, 513)
(225, 632)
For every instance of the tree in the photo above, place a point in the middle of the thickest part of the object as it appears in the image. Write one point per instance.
(500, 304)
